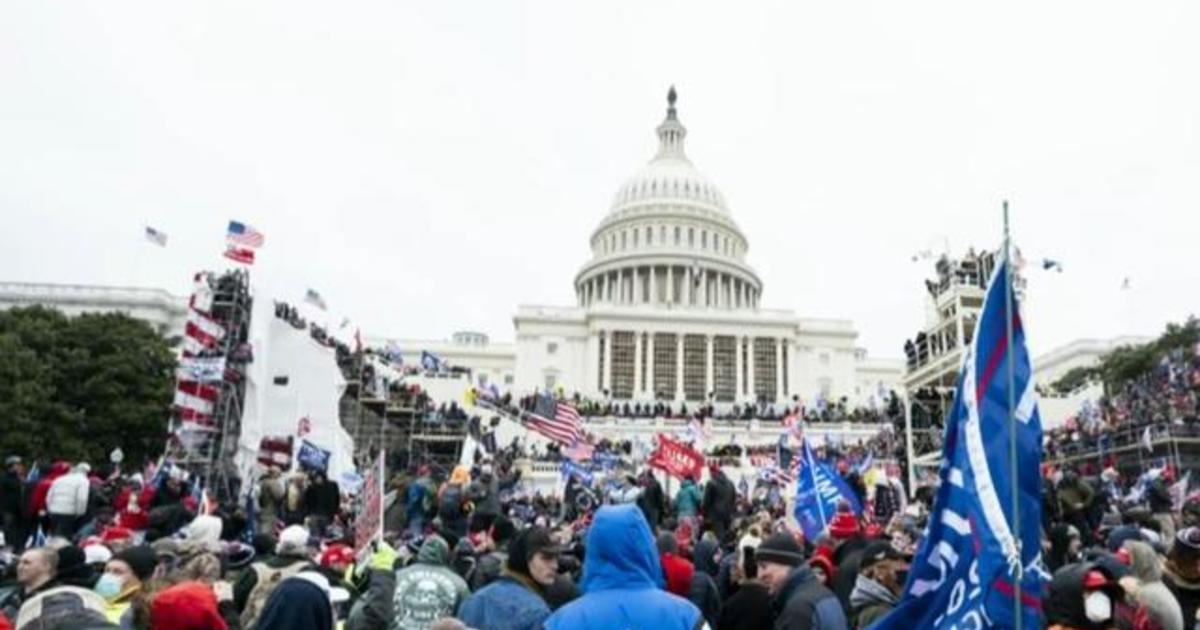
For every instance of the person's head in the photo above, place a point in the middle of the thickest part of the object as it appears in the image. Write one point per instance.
(14, 465)
(1084, 595)
(886, 566)
(293, 542)
(534, 553)
(777, 557)
(127, 571)
(186, 606)
(337, 557)
(1184, 557)
(36, 567)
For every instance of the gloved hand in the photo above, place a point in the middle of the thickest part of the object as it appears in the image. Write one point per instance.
(384, 558)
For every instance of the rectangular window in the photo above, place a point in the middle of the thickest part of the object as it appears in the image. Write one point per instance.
(508, 379)
(694, 358)
(635, 237)
(664, 366)
(622, 240)
(551, 347)
(724, 368)
(703, 239)
(622, 364)
(764, 368)
(649, 235)
(676, 234)
(691, 237)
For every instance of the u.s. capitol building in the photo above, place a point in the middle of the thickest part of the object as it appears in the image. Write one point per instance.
(667, 309)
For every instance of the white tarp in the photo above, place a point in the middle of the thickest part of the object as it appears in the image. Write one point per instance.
(313, 389)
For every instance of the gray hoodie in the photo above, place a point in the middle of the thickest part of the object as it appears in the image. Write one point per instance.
(1153, 595)
(869, 601)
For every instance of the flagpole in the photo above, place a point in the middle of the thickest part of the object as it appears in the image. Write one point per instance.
(1012, 423)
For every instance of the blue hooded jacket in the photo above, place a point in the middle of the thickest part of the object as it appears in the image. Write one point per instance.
(622, 580)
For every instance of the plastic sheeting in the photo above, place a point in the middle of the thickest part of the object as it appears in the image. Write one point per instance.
(313, 389)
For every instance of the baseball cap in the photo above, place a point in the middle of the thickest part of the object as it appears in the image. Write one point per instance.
(878, 552)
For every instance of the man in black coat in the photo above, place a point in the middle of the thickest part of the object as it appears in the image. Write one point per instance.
(653, 501)
(322, 501)
(13, 499)
(720, 497)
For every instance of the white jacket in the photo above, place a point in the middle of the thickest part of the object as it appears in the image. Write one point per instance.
(68, 495)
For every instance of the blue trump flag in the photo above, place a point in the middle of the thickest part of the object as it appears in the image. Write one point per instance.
(964, 573)
(819, 489)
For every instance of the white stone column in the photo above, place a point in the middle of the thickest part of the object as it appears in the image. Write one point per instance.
(738, 362)
(637, 363)
(653, 285)
(703, 287)
(679, 367)
(750, 368)
(778, 368)
(708, 365)
(606, 374)
(650, 365)
(670, 284)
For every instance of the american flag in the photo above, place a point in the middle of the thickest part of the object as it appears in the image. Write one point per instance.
(555, 420)
(240, 254)
(244, 235)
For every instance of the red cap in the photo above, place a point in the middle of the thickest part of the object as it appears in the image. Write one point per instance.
(1094, 580)
(843, 526)
(337, 553)
(186, 606)
(116, 533)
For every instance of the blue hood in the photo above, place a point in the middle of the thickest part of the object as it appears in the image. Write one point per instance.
(620, 551)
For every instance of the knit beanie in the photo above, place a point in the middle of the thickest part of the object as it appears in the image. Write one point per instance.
(780, 548)
(141, 560)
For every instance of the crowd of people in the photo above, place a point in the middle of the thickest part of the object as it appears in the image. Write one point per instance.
(1162, 401)
(472, 547)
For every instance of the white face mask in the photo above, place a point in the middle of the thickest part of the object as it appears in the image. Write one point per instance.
(1097, 607)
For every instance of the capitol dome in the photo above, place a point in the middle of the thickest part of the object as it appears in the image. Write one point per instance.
(668, 239)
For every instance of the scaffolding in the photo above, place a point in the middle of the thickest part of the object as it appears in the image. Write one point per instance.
(378, 413)
(207, 450)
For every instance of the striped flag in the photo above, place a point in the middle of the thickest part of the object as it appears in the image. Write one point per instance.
(243, 235)
(239, 254)
(202, 293)
(556, 420)
(156, 237)
(196, 397)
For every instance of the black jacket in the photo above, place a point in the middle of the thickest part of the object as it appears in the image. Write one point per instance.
(323, 499)
(748, 609)
(12, 496)
(847, 558)
(805, 604)
(719, 498)
(703, 593)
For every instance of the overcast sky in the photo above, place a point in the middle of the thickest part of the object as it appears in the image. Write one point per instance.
(429, 166)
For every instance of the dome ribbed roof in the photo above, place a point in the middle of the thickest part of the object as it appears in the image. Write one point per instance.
(670, 176)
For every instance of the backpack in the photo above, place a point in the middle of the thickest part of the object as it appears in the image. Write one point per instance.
(268, 580)
(450, 506)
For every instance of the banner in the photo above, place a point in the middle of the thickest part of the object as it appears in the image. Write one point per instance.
(580, 473)
(313, 457)
(676, 459)
(964, 574)
(819, 490)
(203, 370)
(368, 526)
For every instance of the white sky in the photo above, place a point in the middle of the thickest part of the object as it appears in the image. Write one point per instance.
(428, 166)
